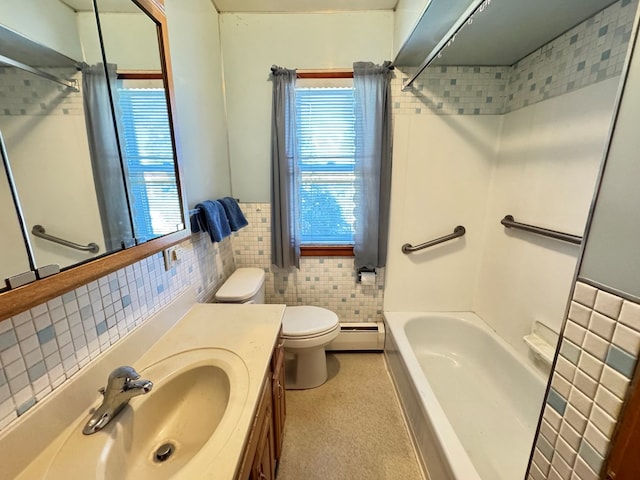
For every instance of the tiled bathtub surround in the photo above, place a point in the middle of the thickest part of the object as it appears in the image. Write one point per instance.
(592, 51)
(328, 282)
(597, 358)
(43, 347)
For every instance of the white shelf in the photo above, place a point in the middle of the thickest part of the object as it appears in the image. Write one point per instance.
(540, 347)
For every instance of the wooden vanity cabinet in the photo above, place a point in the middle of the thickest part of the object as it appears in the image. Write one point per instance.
(264, 446)
(279, 397)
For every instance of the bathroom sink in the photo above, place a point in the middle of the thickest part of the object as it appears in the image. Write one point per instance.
(195, 403)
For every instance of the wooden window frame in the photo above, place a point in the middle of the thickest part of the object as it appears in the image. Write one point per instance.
(325, 250)
(139, 75)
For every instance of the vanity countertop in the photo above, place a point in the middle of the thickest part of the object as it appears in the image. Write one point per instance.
(249, 331)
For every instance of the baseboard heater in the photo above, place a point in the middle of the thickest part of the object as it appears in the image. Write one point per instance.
(362, 336)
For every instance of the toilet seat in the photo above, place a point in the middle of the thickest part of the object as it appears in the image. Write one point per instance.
(306, 322)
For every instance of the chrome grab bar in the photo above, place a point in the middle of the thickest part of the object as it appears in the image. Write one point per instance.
(38, 231)
(459, 231)
(509, 222)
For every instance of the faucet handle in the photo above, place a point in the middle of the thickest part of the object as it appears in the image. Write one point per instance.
(125, 372)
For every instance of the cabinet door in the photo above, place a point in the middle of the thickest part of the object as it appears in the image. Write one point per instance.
(264, 467)
(279, 399)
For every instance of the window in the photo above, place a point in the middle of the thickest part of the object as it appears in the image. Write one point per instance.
(326, 183)
(148, 151)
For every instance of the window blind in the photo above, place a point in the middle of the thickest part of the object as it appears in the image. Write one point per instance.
(148, 152)
(326, 145)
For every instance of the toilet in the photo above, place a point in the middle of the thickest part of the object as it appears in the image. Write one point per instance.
(306, 330)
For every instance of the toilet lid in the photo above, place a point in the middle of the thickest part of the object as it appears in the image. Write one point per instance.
(304, 320)
(243, 284)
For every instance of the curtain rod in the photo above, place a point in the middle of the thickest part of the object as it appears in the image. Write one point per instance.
(327, 72)
(72, 84)
(477, 5)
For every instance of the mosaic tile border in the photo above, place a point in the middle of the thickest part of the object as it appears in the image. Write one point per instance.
(598, 354)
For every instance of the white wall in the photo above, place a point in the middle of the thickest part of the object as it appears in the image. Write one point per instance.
(406, 17)
(441, 173)
(120, 31)
(545, 174)
(201, 129)
(50, 23)
(252, 43)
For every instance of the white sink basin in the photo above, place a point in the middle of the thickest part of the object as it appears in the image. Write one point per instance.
(197, 399)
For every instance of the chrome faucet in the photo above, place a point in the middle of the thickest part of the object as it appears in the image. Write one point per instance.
(123, 384)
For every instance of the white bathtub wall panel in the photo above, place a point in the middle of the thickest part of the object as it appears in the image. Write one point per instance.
(545, 174)
(47, 146)
(441, 173)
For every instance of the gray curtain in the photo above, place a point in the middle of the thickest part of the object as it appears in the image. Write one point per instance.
(285, 246)
(372, 93)
(105, 157)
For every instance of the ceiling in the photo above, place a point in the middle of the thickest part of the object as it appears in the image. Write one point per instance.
(261, 6)
(300, 6)
(113, 6)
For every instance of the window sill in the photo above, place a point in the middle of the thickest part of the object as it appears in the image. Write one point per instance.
(326, 251)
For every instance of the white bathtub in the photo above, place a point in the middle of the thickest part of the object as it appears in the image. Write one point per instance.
(471, 402)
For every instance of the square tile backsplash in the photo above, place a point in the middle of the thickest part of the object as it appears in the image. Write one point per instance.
(598, 354)
(592, 51)
(328, 282)
(43, 347)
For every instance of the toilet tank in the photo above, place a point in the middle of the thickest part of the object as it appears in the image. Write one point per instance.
(245, 285)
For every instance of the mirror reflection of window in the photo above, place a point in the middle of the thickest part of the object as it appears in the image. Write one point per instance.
(142, 119)
(148, 155)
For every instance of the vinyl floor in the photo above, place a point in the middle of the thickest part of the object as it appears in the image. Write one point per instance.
(350, 428)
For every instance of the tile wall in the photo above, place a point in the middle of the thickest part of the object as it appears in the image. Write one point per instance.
(593, 51)
(43, 347)
(22, 93)
(598, 354)
(328, 282)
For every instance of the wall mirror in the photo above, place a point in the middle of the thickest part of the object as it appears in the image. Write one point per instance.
(89, 149)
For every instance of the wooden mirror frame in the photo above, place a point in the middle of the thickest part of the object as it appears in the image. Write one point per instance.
(28, 296)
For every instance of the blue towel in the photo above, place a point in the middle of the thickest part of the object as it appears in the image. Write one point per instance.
(234, 213)
(213, 220)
